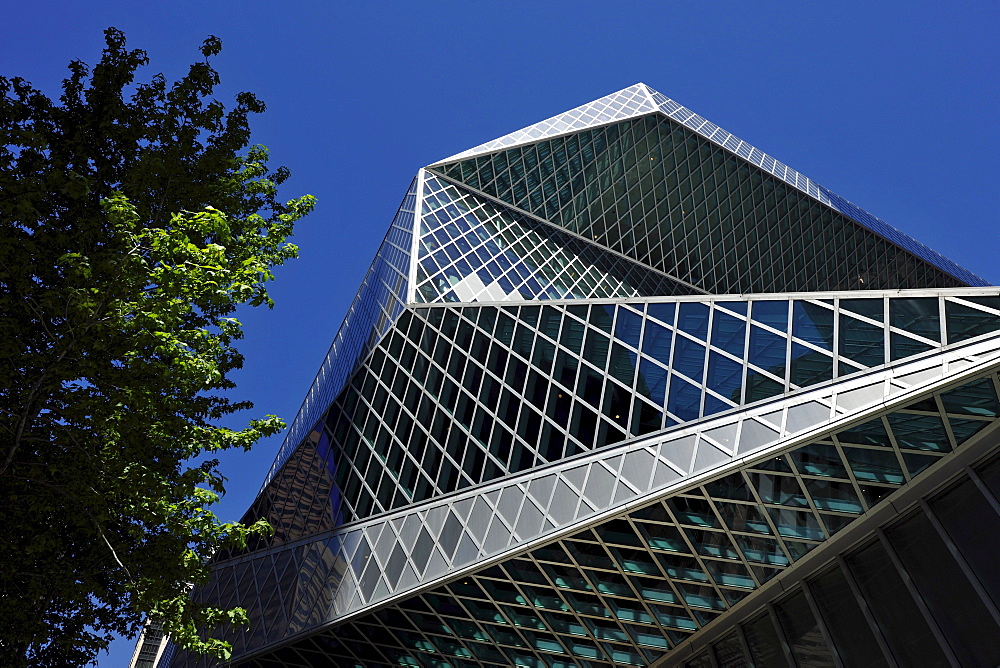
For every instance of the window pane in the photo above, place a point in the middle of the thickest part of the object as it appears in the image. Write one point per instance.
(729, 653)
(973, 525)
(763, 641)
(958, 610)
(895, 611)
(802, 632)
(845, 622)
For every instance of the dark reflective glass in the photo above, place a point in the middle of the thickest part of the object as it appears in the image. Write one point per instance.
(919, 432)
(809, 367)
(973, 525)
(664, 312)
(849, 631)
(918, 315)
(802, 632)
(954, 604)
(684, 400)
(656, 342)
(900, 620)
(869, 308)
(729, 652)
(762, 639)
(862, 342)
(977, 398)
(965, 322)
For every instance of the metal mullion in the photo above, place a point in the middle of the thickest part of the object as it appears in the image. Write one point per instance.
(782, 639)
(697, 557)
(960, 559)
(984, 490)
(886, 336)
(597, 593)
(808, 497)
(917, 598)
(814, 607)
(704, 367)
(850, 472)
(642, 601)
(884, 418)
(759, 504)
(836, 338)
(943, 416)
(732, 537)
(787, 381)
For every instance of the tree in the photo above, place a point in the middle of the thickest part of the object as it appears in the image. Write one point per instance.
(134, 218)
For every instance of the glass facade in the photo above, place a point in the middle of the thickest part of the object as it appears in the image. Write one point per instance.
(610, 379)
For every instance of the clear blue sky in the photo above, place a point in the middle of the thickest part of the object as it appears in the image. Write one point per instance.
(893, 105)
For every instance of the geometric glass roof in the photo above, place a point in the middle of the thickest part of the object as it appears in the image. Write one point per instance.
(607, 377)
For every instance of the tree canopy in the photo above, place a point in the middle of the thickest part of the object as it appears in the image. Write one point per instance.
(134, 219)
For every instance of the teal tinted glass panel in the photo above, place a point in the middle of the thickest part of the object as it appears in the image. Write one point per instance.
(869, 433)
(795, 524)
(725, 376)
(834, 496)
(813, 323)
(919, 432)
(862, 342)
(874, 465)
(819, 459)
(977, 398)
(692, 318)
(771, 313)
(729, 333)
(965, 322)
(919, 316)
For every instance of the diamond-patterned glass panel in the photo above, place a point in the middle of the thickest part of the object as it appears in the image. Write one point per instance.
(473, 249)
(635, 586)
(542, 372)
(684, 205)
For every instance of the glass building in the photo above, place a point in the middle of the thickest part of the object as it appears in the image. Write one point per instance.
(620, 389)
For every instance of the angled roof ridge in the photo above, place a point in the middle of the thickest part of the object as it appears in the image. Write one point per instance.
(758, 158)
(623, 106)
(620, 105)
